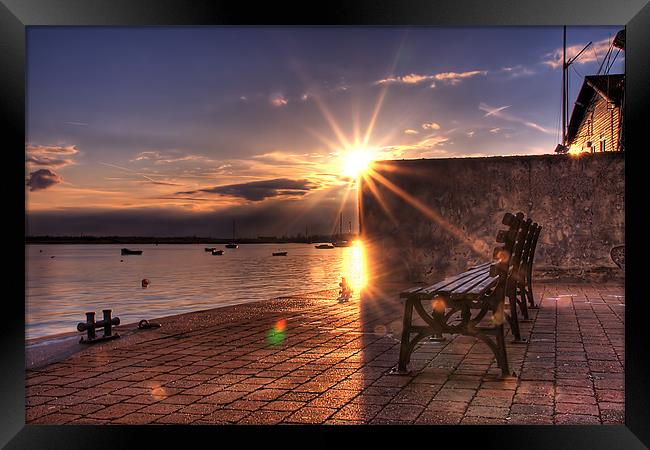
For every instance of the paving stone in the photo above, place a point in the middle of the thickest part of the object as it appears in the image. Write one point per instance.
(179, 418)
(400, 412)
(283, 405)
(115, 411)
(137, 418)
(575, 419)
(311, 415)
(264, 417)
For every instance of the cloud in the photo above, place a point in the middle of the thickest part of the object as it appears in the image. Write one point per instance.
(42, 179)
(498, 112)
(424, 148)
(145, 176)
(452, 78)
(169, 157)
(455, 78)
(412, 78)
(273, 218)
(431, 126)
(517, 71)
(50, 155)
(495, 130)
(554, 58)
(304, 161)
(278, 100)
(410, 131)
(493, 111)
(260, 190)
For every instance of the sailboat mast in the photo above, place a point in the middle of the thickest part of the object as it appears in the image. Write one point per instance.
(564, 103)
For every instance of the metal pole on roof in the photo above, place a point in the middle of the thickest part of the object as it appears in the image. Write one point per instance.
(564, 88)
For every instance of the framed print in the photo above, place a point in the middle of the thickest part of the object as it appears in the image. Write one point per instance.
(366, 217)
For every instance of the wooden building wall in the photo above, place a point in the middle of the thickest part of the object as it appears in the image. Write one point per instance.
(600, 123)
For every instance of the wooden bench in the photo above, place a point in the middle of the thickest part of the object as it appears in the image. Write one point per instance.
(484, 288)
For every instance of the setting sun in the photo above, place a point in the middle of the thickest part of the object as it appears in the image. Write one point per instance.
(356, 161)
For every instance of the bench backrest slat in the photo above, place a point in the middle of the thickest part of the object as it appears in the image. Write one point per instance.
(523, 241)
(526, 254)
(531, 254)
(508, 256)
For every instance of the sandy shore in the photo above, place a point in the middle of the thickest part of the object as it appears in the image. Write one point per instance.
(46, 350)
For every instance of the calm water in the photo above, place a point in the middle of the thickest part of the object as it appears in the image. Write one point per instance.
(183, 278)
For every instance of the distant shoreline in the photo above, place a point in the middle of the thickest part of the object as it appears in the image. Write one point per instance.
(129, 240)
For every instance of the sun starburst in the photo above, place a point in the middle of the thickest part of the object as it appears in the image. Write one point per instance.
(355, 161)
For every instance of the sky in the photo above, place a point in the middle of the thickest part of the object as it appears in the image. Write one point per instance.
(176, 131)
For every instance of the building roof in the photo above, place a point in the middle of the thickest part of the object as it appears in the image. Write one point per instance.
(610, 87)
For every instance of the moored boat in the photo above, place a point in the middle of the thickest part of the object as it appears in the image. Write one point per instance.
(217, 252)
(126, 251)
(324, 246)
(210, 249)
(279, 253)
(232, 243)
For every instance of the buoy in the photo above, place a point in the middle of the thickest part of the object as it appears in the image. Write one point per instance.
(145, 282)
(51, 256)
(121, 260)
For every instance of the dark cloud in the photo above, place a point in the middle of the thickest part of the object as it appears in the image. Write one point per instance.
(273, 218)
(259, 190)
(42, 179)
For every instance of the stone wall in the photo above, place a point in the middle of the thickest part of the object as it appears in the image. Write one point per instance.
(424, 219)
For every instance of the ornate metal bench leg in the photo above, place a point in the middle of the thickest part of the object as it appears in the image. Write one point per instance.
(404, 350)
(514, 320)
(502, 357)
(437, 335)
(523, 305)
(531, 299)
(529, 291)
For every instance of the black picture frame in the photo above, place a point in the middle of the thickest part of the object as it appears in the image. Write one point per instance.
(16, 15)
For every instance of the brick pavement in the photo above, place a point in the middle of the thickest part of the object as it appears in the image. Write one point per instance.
(326, 363)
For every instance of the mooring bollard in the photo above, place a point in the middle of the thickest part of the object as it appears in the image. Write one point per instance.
(90, 326)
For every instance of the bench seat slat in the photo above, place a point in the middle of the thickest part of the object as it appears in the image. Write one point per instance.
(410, 291)
(447, 281)
(465, 283)
(483, 286)
(462, 291)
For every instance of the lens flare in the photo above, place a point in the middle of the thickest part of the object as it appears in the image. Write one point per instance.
(438, 305)
(275, 336)
(158, 392)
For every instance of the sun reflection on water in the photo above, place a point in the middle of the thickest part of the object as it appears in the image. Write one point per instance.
(354, 267)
